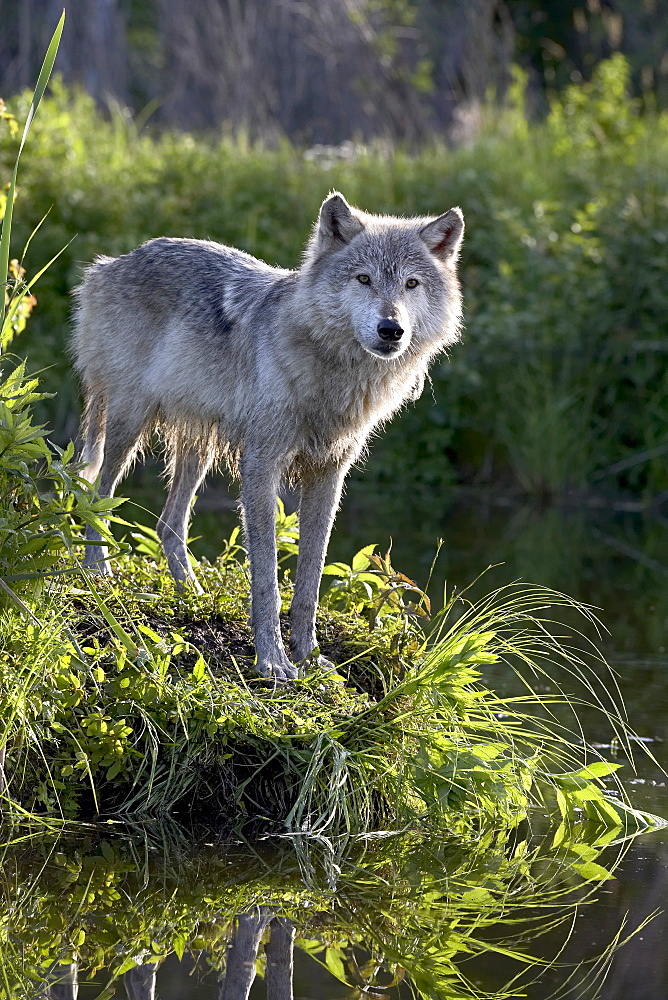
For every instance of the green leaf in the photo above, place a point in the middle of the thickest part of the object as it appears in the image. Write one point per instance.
(179, 945)
(335, 964)
(570, 782)
(199, 670)
(361, 559)
(339, 569)
(593, 872)
(599, 769)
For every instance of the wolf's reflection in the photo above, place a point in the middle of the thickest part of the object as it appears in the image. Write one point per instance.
(242, 954)
(139, 983)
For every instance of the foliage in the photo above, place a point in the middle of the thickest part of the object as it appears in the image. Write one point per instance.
(44, 502)
(560, 381)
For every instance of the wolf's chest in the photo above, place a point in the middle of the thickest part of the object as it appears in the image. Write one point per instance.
(345, 412)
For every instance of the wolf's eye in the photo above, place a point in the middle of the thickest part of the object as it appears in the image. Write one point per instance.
(364, 279)
(412, 283)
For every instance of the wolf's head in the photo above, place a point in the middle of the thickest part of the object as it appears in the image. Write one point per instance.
(390, 281)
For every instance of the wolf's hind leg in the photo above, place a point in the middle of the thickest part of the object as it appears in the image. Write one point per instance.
(320, 498)
(123, 434)
(94, 433)
(190, 469)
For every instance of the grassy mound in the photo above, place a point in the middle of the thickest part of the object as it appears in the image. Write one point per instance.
(131, 699)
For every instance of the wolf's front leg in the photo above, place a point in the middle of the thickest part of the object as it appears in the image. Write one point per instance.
(320, 497)
(259, 488)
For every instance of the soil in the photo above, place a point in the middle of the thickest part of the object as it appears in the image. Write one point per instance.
(227, 646)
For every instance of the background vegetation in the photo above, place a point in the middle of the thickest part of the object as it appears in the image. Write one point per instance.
(560, 382)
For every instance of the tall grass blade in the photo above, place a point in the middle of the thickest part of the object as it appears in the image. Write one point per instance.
(42, 80)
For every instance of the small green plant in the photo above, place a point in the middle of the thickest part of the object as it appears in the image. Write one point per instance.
(44, 502)
(372, 587)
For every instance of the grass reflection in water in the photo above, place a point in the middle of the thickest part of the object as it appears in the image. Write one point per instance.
(376, 911)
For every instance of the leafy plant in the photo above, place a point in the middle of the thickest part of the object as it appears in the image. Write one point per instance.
(44, 502)
(370, 585)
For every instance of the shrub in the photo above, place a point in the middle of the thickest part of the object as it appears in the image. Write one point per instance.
(44, 503)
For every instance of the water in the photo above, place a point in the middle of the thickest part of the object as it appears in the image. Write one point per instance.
(612, 556)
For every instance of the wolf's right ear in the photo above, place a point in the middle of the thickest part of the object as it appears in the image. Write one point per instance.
(444, 235)
(337, 224)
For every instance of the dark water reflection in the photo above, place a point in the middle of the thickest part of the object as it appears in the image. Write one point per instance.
(609, 555)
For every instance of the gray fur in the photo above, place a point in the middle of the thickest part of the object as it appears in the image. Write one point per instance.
(278, 373)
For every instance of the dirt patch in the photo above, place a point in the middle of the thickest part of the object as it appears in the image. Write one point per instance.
(227, 646)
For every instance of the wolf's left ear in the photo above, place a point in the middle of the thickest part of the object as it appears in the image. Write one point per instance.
(444, 235)
(337, 223)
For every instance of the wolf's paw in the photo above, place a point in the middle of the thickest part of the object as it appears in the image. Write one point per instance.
(277, 666)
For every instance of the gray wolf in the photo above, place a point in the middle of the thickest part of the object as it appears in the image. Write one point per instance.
(279, 373)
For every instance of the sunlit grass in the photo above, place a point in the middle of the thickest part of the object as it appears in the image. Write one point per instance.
(117, 711)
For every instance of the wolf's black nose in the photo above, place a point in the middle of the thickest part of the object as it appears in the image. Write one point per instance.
(389, 329)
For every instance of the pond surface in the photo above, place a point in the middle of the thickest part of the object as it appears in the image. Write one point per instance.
(609, 555)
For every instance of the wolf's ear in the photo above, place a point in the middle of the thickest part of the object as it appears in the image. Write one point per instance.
(337, 223)
(444, 235)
